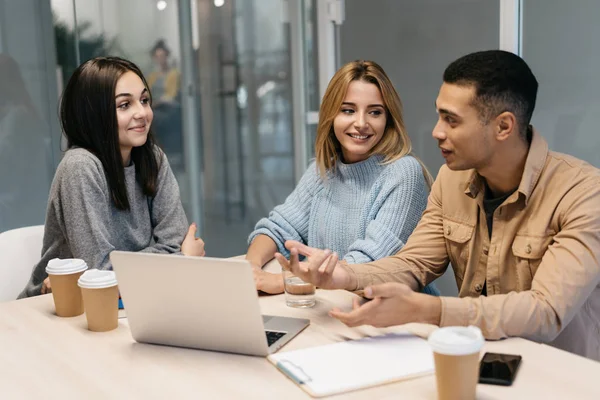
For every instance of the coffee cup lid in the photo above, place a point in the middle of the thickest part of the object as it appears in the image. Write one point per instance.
(97, 279)
(456, 340)
(65, 266)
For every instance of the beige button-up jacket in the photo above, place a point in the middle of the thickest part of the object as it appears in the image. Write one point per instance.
(541, 265)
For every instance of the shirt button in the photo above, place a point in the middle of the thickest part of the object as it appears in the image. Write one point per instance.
(485, 251)
(448, 230)
(478, 287)
(528, 249)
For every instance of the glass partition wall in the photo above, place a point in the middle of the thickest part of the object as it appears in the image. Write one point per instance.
(559, 44)
(29, 131)
(251, 91)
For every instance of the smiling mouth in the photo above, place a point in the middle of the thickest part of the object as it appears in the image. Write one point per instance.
(138, 127)
(361, 137)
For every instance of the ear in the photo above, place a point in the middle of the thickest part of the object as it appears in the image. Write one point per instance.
(506, 125)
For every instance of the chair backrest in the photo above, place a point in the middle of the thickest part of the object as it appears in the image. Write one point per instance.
(20, 250)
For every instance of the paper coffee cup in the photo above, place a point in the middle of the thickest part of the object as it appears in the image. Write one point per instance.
(100, 299)
(456, 355)
(63, 274)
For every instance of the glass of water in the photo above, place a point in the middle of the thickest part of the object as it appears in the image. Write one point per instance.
(297, 292)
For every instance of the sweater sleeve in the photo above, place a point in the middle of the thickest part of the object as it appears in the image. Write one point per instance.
(397, 208)
(289, 221)
(77, 220)
(169, 223)
(80, 218)
(83, 200)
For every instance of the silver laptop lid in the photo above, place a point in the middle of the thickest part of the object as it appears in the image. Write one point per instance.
(199, 302)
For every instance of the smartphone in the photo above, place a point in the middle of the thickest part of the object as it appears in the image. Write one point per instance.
(498, 369)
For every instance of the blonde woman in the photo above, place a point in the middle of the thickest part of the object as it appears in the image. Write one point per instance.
(364, 194)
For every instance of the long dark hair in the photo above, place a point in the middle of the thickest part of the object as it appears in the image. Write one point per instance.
(89, 120)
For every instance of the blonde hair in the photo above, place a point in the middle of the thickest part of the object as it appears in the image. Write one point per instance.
(394, 143)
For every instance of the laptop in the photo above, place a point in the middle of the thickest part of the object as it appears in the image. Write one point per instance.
(198, 302)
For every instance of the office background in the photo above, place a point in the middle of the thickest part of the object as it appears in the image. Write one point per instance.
(240, 131)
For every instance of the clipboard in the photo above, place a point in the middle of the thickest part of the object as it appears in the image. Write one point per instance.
(356, 364)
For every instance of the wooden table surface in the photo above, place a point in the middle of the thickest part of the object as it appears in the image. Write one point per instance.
(44, 356)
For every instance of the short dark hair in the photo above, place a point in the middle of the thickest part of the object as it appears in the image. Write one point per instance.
(88, 116)
(503, 82)
(160, 45)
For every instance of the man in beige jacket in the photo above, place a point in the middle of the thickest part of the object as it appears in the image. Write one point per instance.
(520, 224)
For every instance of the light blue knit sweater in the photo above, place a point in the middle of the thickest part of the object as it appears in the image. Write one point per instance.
(363, 211)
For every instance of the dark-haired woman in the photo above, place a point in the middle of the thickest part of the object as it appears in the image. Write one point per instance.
(114, 189)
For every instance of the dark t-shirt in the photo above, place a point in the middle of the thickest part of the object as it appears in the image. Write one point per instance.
(490, 204)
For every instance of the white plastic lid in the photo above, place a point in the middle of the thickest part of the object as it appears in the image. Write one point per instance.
(456, 340)
(97, 279)
(65, 266)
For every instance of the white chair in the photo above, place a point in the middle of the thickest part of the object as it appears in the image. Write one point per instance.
(20, 250)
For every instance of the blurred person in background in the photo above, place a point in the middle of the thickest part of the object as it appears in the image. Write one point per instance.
(164, 83)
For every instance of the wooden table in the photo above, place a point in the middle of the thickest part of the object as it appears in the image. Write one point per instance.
(44, 356)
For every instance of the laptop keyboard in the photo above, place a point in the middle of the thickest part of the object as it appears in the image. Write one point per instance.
(272, 336)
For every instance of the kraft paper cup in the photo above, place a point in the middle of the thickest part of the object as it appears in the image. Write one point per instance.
(100, 299)
(63, 274)
(456, 356)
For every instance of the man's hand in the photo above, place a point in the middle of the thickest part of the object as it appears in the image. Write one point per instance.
(320, 267)
(46, 288)
(191, 245)
(392, 304)
(266, 281)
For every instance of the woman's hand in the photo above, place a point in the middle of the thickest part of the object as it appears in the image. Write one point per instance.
(266, 281)
(191, 245)
(321, 267)
(46, 288)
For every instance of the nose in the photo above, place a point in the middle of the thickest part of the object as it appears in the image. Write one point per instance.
(360, 121)
(140, 111)
(438, 132)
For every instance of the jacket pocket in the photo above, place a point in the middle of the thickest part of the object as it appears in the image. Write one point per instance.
(528, 252)
(458, 239)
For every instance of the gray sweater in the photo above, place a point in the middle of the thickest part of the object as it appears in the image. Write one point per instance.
(82, 221)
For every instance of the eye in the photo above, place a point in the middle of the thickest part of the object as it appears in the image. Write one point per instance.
(145, 100)
(347, 111)
(376, 112)
(123, 106)
(449, 120)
